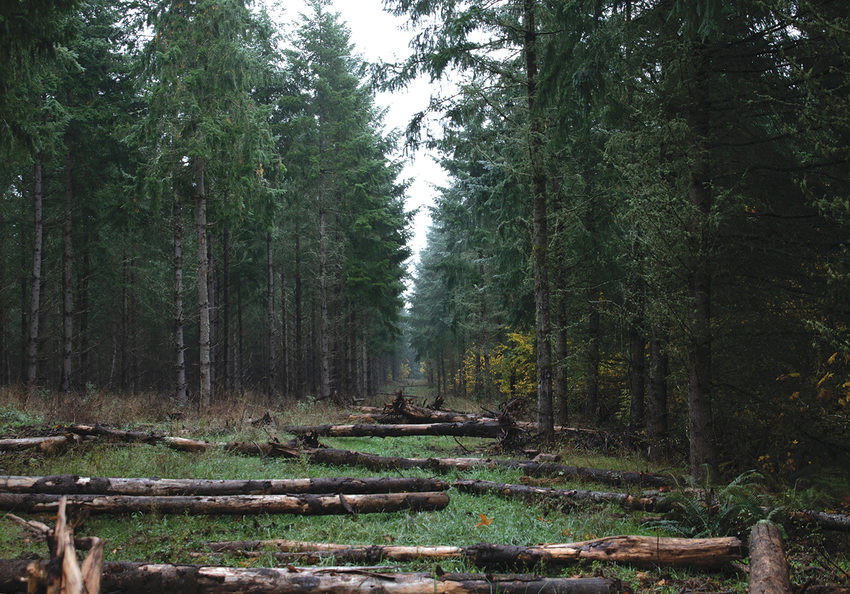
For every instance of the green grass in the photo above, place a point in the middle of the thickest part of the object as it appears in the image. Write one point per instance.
(178, 538)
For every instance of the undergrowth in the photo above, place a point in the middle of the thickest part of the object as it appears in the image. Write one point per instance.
(468, 519)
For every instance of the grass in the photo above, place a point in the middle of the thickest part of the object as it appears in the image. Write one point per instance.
(163, 538)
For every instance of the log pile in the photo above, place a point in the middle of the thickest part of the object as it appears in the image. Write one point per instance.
(203, 496)
(645, 551)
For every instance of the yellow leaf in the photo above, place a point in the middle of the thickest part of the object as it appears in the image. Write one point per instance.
(485, 521)
(831, 360)
(824, 378)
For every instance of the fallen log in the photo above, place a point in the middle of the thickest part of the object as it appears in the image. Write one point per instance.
(636, 550)
(468, 429)
(72, 484)
(334, 457)
(144, 578)
(768, 565)
(564, 497)
(824, 519)
(306, 504)
(45, 444)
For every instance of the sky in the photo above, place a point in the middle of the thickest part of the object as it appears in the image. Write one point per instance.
(378, 35)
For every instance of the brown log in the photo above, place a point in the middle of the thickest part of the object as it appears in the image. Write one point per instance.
(307, 504)
(72, 484)
(336, 457)
(768, 565)
(467, 429)
(645, 551)
(564, 497)
(131, 578)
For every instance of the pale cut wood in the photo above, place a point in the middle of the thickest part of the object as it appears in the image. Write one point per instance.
(131, 578)
(73, 484)
(306, 504)
(768, 565)
(45, 444)
(645, 551)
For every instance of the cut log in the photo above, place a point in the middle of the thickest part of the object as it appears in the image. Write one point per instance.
(564, 497)
(45, 444)
(336, 457)
(72, 484)
(491, 428)
(306, 504)
(645, 551)
(825, 520)
(768, 565)
(145, 578)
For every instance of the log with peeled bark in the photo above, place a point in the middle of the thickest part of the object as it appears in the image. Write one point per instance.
(646, 551)
(488, 428)
(336, 457)
(45, 444)
(305, 504)
(131, 578)
(72, 484)
(768, 565)
(565, 497)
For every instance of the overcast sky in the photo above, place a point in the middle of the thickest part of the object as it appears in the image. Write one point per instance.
(378, 35)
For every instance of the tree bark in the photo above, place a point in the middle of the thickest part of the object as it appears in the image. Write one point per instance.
(545, 416)
(45, 444)
(226, 331)
(303, 504)
(593, 407)
(468, 429)
(299, 339)
(79, 485)
(656, 420)
(205, 387)
(67, 275)
(271, 381)
(768, 565)
(133, 578)
(180, 394)
(702, 451)
(284, 335)
(35, 286)
(644, 551)
(564, 497)
(637, 341)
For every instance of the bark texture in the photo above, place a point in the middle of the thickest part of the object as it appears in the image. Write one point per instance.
(768, 565)
(303, 504)
(72, 484)
(637, 550)
(131, 578)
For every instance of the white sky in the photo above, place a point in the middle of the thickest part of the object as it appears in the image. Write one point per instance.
(378, 35)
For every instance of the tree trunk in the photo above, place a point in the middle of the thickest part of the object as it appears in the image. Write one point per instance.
(561, 386)
(132, 578)
(284, 335)
(333, 457)
(227, 349)
(67, 276)
(644, 551)
(205, 387)
(768, 565)
(545, 416)
(66, 484)
(271, 381)
(5, 371)
(324, 339)
(299, 341)
(700, 417)
(84, 372)
(35, 286)
(468, 429)
(303, 504)
(656, 420)
(179, 346)
(211, 293)
(593, 406)
(45, 444)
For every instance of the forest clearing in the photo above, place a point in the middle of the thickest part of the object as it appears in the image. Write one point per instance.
(619, 527)
(621, 336)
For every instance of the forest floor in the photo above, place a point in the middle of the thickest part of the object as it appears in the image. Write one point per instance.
(816, 556)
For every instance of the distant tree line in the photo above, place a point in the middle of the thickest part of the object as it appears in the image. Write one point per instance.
(189, 209)
(654, 194)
